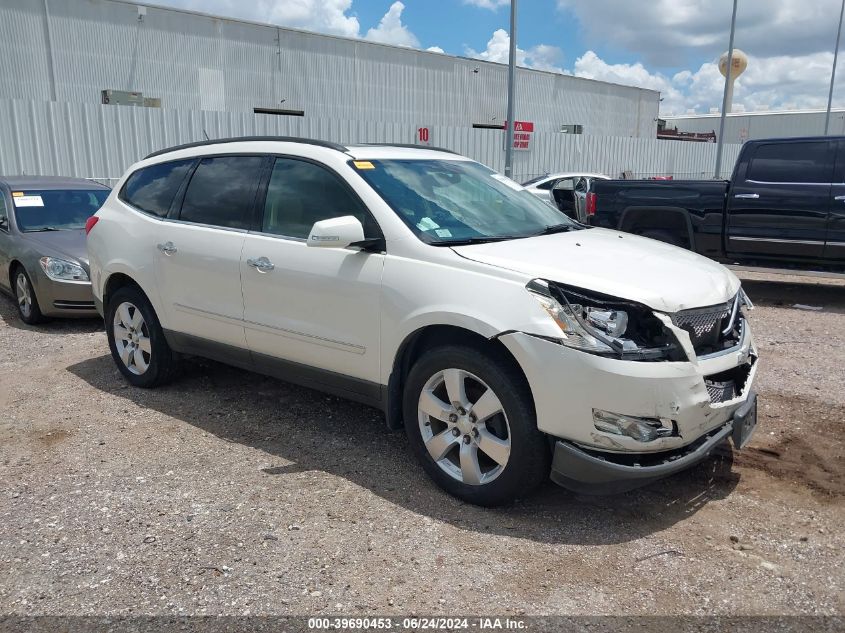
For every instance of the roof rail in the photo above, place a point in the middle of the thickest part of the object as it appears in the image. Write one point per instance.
(243, 139)
(408, 145)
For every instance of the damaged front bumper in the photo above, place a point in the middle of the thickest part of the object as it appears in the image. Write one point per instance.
(694, 405)
(593, 472)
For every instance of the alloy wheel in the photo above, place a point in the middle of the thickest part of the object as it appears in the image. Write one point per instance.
(24, 295)
(132, 338)
(464, 426)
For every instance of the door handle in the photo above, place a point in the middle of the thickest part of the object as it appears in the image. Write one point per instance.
(747, 196)
(168, 248)
(840, 198)
(262, 264)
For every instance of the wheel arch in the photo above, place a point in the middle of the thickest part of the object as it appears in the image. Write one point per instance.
(13, 267)
(675, 220)
(427, 337)
(117, 280)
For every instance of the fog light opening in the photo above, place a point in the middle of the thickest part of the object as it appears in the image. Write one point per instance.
(640, 429)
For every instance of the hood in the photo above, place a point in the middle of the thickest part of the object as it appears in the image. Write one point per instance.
(664, 277)
(69, 244)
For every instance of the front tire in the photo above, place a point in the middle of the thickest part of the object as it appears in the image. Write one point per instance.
(470, 420)
(28, 308)
(136, 339)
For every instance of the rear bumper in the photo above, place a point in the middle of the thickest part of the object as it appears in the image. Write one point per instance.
(593, 472)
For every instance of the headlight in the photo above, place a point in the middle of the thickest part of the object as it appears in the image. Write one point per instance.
(62, 270)
(605, 325)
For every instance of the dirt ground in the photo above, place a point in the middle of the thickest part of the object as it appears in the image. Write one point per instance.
(230, 493)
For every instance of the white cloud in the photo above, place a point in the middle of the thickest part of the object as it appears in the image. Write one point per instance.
(390, 29)
(662, 31)
(591, 66)
(789, 44)
(488, 4)
(545, 57)
(540, 57)
(322, 16)
(774, 83)
(435, 49)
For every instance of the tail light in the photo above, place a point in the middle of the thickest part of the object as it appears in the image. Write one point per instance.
(591, 203)
(90, 222)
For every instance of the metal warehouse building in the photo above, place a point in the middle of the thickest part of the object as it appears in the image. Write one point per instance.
(71, 50)
(742, 126)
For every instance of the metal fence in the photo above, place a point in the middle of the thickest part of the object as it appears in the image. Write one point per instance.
(101, 141)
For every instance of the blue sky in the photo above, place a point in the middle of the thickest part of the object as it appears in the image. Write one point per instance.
(470, 26)
(667, 45)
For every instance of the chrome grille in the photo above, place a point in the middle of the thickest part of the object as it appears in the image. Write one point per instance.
(701, 323)
(704, 325)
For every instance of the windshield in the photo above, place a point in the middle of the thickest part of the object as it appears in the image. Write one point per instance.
(56, 209)
(448, 202)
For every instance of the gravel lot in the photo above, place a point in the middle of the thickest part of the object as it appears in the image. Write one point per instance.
(230, 493)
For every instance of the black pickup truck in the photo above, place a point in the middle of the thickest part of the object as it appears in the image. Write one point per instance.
(784, 207)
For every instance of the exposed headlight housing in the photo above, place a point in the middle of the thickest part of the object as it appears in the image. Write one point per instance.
(604, 325)
(62, 270)
(640, 429)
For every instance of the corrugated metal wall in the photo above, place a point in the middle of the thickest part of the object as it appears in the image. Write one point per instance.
(70, 50)
(742, 127)
(99, 141)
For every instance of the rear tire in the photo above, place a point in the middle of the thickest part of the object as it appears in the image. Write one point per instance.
(136, 339)
(478, 441)
(28, 308)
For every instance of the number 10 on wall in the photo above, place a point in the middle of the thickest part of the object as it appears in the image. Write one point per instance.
(423, 136)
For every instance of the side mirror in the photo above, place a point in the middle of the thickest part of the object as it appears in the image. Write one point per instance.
(336, 232)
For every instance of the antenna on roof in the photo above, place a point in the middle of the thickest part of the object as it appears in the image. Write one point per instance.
(206, 134)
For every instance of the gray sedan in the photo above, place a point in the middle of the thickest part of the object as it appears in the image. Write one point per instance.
(43, 260)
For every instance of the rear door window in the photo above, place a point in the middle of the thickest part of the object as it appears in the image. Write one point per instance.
(803, 162)
(152, 189)
(222, 191)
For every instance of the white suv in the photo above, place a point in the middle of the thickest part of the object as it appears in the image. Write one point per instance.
(509, 341)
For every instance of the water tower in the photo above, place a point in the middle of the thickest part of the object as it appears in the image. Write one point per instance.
(738, 65)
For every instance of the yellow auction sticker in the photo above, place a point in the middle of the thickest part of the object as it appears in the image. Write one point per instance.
(17, 194)
(363, 164)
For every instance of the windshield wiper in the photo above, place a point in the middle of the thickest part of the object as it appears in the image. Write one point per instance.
(41, 229)
(478, 240)
(558, 228)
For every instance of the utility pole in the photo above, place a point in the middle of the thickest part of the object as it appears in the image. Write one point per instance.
(833, 72)
(719, 141)
(511, 89)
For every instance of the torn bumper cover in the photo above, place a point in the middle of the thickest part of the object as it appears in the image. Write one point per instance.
(593, 472)
(619, 424)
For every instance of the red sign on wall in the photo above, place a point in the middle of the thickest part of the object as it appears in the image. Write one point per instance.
(522, 131)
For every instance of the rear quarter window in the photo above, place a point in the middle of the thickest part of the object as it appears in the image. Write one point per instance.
(810, 162)
(152, 189)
